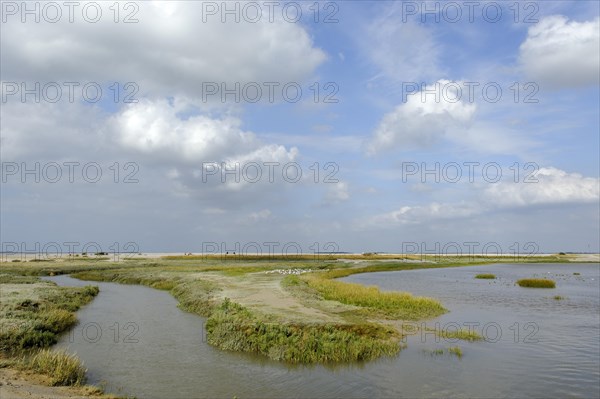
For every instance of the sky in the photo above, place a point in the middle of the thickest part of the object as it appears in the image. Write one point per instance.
(285, 127)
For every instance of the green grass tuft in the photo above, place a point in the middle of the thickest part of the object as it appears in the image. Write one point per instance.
(434, 352)
(462, 334)
(453, 350)
(62, 367)
(536, 283)
(393, 305)
(456, 351)
(486, 276)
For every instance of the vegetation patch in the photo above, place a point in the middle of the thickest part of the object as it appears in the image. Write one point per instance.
(62, 367)
(536, 283)
(434, 352)
(195, 296)
(461, 333)
(34, 314)
(453, 350)
(456, 351)
(391, 305)
(486, 276)
(233, 327)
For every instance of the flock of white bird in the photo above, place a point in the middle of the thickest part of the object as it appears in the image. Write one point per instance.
(289, 271)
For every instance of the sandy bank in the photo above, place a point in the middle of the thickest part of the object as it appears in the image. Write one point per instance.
(15, 384)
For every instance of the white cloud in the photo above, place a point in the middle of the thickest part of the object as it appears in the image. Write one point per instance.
(153, 128)
(553, 186)
(420, 122)
(152, 134)
(562, 53)
(170, 52)
(336, 193)
(210, 156)
(419, 214)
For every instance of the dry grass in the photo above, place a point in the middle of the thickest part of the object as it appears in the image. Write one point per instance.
(62, 367)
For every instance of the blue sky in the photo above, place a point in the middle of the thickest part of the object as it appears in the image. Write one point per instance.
(367, 139)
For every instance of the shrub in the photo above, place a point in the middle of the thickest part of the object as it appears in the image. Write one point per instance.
(34, 339)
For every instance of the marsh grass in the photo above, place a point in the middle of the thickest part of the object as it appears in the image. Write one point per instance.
(434, 352)
(33, 313)
(461, 334)
(536, 283)
(62, 367)
(456, 351)
(392, 305)
(486, 276)
(453, 350)
(233, 327)
(558, 297)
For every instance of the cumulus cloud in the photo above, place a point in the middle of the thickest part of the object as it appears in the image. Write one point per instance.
(421, 121)
(549, 186)
(154, 128)
(172, 150)
(169, 52)
(208, 156)
(562, 53)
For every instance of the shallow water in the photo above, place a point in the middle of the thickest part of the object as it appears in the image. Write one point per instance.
(136, 341)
